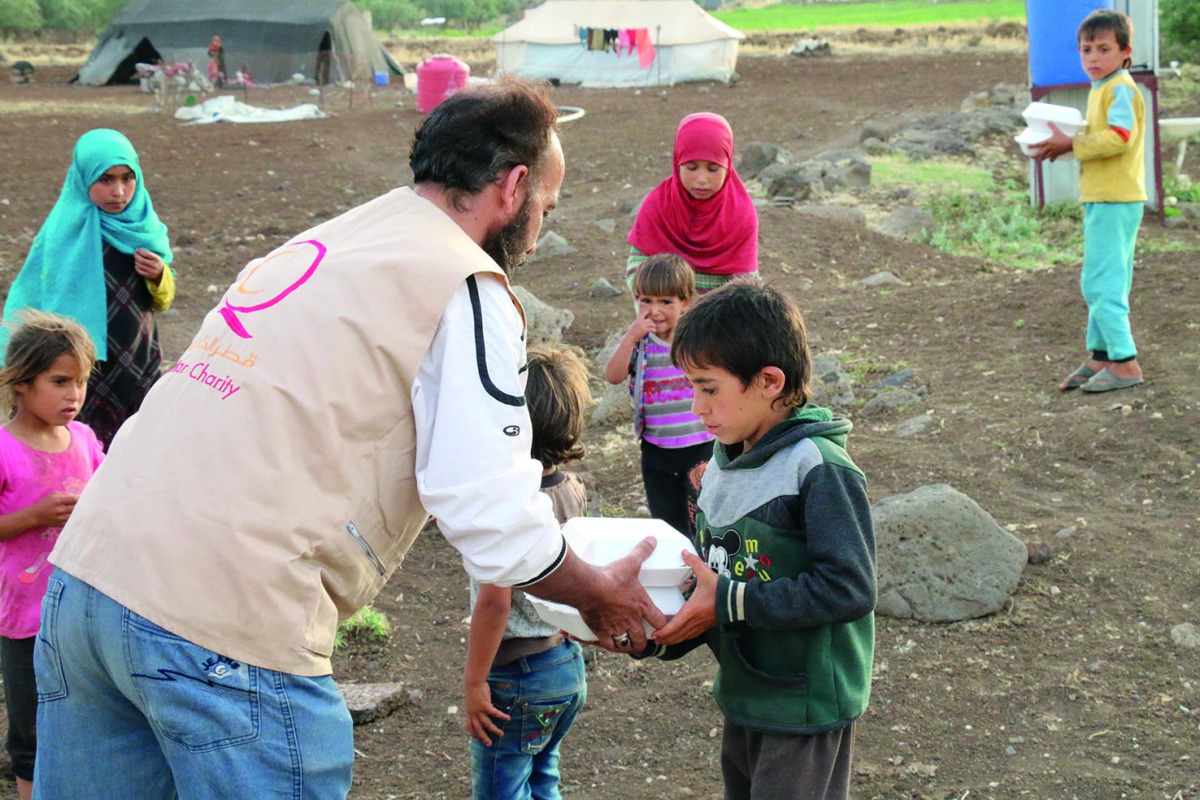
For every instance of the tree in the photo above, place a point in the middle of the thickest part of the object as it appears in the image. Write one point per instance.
(66, 15)
(389, 15)
(1179, 23)
(20, 15)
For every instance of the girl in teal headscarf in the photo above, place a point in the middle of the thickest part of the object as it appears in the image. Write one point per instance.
(101, 258)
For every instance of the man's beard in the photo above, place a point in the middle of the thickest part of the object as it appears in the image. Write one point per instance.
(507, 246)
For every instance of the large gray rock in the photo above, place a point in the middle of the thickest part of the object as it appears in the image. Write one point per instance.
(848, 214)
(888, 402)
(551, 245)
(370, 701)
(799, 182)
(906, 222)
(942, 558)
(544, 324)
(832, 386)
(757, 156)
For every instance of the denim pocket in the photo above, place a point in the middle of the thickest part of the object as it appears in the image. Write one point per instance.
(538, 722)
(195, 697)
(47, 661)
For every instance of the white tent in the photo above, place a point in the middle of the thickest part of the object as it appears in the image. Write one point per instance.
(551, 43)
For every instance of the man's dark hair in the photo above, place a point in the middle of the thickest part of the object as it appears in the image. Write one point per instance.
(473, 136)
(1103, 20)
(742, 328)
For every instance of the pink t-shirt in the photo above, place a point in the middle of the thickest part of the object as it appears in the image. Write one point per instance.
(26, 476)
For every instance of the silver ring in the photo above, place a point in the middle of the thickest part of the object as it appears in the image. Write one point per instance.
(621, 640)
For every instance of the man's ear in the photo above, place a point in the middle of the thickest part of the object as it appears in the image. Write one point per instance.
(770, 380)
(512, 187)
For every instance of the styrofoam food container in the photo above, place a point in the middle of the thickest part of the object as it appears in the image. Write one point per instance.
(602, 540)
(567, 618)
(1030, 137)
(1066, 118)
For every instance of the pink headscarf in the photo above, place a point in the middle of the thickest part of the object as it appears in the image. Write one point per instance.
(717, 236)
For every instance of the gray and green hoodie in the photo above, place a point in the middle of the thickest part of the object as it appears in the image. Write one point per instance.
(787, 527)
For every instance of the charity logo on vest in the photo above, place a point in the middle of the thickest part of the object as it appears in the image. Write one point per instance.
(199, 372)
(261, 290)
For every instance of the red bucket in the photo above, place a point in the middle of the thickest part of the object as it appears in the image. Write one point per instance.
(438, 78)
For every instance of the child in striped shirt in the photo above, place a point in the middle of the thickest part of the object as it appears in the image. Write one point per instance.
(675, 444)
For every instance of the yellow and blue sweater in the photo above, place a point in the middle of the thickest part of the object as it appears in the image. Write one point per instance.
(1111, 149)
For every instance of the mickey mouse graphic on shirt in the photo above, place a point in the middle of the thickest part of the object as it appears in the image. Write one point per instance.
(726, 557)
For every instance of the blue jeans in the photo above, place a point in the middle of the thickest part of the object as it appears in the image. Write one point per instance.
(128, 709)
(542, 694)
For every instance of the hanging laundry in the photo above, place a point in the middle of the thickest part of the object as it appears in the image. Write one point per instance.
(625, 42)
(595, 39)
(644, 47)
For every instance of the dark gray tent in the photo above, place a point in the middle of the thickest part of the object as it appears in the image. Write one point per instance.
(274, 39)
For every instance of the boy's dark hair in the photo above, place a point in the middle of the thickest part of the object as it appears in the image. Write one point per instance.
(473, 136)
(1103, 20)
(742, 328)
(665, 275)
(36, 343)
(558, 396)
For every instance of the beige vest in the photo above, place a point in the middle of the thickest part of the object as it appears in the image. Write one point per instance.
(266, 489)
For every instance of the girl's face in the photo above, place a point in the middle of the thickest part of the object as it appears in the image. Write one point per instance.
(113, 190)
(1102, 56)
(663, 311)
(702, 179)
(54, 397)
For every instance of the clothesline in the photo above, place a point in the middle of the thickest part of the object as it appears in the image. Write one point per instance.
(622, 41)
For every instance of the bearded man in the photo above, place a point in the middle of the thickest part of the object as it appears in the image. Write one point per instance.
(348, 385)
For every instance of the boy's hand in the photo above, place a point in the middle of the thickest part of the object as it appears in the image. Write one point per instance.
(1058, 144)
(54, 509)
(480, 712)
(641, 326)
(149, 265)
(699, 613)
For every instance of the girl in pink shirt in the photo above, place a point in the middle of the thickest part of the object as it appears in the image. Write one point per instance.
(46, 458)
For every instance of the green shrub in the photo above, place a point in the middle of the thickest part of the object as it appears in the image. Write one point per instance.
(1003, 228)
(1179, 26)
(366, 624)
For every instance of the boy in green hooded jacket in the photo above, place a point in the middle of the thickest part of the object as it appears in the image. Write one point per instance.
(785, 592)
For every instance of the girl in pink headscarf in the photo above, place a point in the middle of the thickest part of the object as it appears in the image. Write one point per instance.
(702, 213)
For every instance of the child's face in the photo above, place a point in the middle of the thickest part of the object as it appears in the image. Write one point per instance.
(113, 190)
(1102, 56)
(664, 311)
(702, 179)
(55, 396)
(734, 412)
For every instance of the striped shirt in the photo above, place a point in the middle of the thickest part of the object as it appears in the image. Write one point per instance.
(663, 398)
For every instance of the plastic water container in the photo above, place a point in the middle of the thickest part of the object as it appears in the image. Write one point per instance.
(381, 79)
(438, 78)
(1053, 46)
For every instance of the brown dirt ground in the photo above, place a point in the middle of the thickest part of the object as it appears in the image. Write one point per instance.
(1073, 691)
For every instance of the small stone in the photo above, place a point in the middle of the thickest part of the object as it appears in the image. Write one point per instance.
(1066, 533)
(1039, 552)
(882, 279)
(1186, 635)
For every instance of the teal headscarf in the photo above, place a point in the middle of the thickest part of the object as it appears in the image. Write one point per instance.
(64, 272)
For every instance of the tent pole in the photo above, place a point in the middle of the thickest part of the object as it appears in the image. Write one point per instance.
(658, 50)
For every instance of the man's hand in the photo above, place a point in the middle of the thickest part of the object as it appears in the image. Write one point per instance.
(1058, 144)
(611, 599)
(699, 613)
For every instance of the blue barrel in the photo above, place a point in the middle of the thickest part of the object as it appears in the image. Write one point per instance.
(1053, 47)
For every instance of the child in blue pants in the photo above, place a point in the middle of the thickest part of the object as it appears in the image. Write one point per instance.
(1112, 188)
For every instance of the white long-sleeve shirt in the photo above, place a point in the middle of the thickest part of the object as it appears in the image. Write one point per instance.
(474, 471)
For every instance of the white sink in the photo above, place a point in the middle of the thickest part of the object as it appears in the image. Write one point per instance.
(1181, 128)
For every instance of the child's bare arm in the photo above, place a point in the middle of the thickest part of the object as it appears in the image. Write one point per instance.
(53, 510)
(488, 621)
(617, 368)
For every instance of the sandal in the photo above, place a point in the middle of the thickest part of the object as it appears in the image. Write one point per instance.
(1078, 378)
(1105, 381)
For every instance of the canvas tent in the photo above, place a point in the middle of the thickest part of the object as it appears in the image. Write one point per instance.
(550, 43)
(274, 39)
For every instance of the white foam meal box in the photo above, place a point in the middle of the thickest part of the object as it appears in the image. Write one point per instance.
(602, 540)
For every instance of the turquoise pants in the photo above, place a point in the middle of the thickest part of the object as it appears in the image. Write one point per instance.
(1109, 236)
